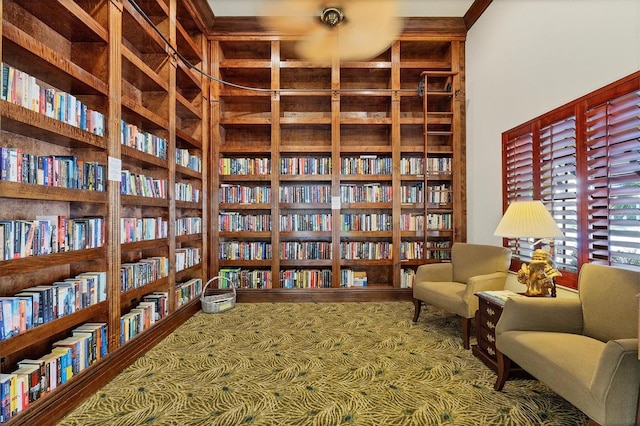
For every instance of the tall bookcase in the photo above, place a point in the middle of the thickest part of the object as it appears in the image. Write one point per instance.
(124, 165)
(326, 172)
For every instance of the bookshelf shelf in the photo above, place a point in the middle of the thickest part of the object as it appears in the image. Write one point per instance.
(24, 265)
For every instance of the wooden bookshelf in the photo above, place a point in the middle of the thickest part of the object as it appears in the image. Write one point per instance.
(366, 111)
(109, 57)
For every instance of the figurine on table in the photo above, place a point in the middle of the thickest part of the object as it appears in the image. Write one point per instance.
(538, 275)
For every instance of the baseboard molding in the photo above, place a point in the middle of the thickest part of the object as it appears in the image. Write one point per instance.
(368, 294)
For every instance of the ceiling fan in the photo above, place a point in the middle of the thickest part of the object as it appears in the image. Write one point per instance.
(350, 30)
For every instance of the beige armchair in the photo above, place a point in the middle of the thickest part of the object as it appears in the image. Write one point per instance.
(452, 286)
(585, 349)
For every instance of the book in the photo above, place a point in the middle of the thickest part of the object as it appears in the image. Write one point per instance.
(6, 382)
(499, 296)
(32, 373)
(75, 345)
(40, 364)
(25, 377)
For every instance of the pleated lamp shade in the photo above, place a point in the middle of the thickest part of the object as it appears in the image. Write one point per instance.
(527, 219)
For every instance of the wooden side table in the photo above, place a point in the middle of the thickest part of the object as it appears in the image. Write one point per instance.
(487, 317)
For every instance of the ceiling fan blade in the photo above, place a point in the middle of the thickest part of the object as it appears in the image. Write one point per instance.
(290, 16)
(368, 30)
(319, 46)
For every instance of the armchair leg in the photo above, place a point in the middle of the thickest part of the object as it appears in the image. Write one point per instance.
(466, 332)
(504, 365)
(417, 303)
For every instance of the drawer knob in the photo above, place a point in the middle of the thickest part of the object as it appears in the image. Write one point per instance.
(491, 325)
(490, 338)
(491, 351)
(491, 312)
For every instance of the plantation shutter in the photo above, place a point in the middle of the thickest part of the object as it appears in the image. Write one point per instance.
(519, 182)
(613, 177)
(558, 187)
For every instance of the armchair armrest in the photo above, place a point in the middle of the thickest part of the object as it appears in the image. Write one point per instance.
(541, 314)
(486, 282)
(617, 373)
(434, 272)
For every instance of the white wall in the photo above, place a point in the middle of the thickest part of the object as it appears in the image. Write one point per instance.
(527, 57)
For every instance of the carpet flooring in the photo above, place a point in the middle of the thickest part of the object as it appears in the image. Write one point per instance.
(318, 364)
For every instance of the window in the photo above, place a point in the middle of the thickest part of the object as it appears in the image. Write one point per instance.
(582, 161)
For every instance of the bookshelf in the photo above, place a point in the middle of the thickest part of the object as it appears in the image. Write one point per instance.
(116, 179)
(365, 176)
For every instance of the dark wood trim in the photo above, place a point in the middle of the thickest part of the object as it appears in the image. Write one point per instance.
(475, 11)
(335, 295)
(251, 26)
(65, 398)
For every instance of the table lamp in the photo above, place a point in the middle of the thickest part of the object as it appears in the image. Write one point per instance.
(531, 219)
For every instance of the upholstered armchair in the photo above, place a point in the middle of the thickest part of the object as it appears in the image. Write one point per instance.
(452, 286)
(585, 349)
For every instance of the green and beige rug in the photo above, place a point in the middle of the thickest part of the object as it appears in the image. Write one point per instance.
(318, 364)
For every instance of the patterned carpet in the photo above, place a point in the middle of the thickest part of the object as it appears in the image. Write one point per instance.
(318, 364)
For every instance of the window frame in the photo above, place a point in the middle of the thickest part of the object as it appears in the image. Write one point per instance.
(522, 181)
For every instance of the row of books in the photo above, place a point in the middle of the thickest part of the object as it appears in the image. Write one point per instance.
(188, 291)
(186, 159)
(246, 278)
(35, 378)
(143, 272)
(365, 222)
(244, 166)
(407, 276)
(137, 320)
(439, 194)
(64, 171)
(351, 278)
(305, 278)
(244, 250)
(410, 250)
(133, 229)
(367, 250)
(134, 137)
(439, 221)
(49, 234)
(305, 194)
(188, 225)
(237, 222)
(186, 191)
(243, 194)
(412, 193)
(412, 222)
(412, 166)
(187, 257)
(301, 250)
(20, 88)
(367, 193)
(314, 222)
(161, 301)
(437, 251)
(439, 165)
(34, 306)
(142, 186)
(305, 166)
(366, 165)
